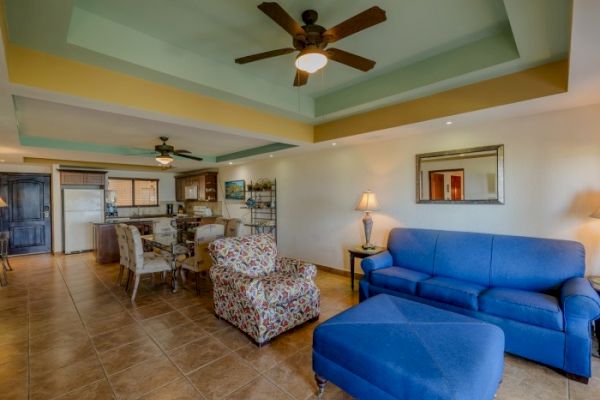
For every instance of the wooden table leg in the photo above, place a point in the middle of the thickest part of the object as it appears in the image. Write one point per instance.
(352, 271)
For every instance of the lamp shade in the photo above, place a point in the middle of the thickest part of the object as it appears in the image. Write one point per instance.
(3, 203)
(368, 202)
(596, 214)
(311, 60)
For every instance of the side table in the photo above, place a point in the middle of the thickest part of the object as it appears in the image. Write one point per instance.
(595, 281)
(359, 252)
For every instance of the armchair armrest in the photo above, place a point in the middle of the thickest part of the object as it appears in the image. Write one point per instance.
(378, 261)
(296, 267)
(579, 299)
(247, 287)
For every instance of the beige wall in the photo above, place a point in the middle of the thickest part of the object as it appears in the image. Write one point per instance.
(552, 175)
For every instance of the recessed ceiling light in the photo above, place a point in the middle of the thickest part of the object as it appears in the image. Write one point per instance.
(230, 162)
(271, 155)
(333, 144)
(448, 122)
(1, 160)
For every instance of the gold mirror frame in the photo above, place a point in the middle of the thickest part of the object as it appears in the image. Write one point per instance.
(499, 149)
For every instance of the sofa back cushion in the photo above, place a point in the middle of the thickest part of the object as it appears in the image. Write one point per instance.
(463, 255)
(535, 264)
(252, 255)
(413, 248)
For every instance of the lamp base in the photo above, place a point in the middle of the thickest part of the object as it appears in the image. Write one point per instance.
(368, 246)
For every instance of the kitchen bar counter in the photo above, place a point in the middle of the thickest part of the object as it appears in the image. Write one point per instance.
(105, 236)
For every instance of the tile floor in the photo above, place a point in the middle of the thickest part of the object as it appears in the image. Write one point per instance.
(67, 331)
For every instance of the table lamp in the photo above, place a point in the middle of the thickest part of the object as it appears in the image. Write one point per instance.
(368, 202)
(3, 203)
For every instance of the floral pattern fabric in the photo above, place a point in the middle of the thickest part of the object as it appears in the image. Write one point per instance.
(261, 302)
(253, 255)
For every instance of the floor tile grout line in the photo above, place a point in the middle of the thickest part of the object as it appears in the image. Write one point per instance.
(87, 332)
(154, 341)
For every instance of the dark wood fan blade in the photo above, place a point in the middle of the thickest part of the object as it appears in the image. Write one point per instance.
(188, 156)
(283, 19)
(301, 78)
(364, 20)
(351, 60)
(182, 151)
(266, 54)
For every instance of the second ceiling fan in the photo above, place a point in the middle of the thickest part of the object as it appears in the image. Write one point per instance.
(311, 40)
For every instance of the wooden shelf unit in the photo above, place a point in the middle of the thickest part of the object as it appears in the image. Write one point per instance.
(263, 216)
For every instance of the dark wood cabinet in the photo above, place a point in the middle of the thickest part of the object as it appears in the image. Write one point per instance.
(82, 178)
(93, 179)
(107, 246)
(205, 183)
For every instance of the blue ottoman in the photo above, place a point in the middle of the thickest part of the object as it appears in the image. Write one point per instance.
(392, 348)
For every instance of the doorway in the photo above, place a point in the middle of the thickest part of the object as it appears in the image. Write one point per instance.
(27, 216)
(447, 185)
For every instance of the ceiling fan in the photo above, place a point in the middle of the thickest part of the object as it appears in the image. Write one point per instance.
(312, 39)
(164, 151)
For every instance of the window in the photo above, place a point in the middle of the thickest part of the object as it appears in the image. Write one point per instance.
(132, 192)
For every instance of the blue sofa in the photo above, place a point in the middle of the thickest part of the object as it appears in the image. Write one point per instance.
(532, 288)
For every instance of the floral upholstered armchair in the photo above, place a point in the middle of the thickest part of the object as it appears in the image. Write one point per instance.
(262, 294)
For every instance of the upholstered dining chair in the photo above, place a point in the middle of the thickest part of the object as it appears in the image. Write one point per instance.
(141, 262)
(201, 262)
(121, 230)
(231, 226)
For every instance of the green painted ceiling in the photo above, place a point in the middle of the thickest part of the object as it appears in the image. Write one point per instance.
(424, 47)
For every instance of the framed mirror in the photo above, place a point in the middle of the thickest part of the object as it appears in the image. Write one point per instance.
(465, 176)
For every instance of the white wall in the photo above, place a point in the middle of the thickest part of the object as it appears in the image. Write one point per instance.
(552, 184)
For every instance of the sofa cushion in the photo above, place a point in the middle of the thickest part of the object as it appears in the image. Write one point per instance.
(535, 264)
(452, 291)
(413, 248)
(398, 278)
(464, 256)
(520, 305)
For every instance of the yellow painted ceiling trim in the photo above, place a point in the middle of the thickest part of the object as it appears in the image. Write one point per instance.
(536, 82)
(91, 164)
(33, 68)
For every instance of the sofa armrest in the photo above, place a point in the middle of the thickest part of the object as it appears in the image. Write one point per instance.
(579, 299)
(294, 266)
(378, 261)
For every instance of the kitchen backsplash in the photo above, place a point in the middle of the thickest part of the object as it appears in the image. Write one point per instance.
(160, 210)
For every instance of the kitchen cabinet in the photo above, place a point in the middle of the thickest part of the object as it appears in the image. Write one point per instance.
(81, 178)
(205, 184)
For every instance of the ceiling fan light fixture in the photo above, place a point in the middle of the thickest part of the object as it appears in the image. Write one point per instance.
(164, 159)
(311, 60)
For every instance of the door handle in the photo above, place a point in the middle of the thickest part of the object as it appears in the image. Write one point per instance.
(46, 212)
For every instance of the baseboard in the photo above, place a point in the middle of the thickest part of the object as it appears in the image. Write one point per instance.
(357, 275)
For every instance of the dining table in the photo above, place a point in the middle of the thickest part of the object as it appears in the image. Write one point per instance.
(172, 243)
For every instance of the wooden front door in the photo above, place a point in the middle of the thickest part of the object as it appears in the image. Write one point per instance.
(456, 187)
(27, 217)
(436, 186)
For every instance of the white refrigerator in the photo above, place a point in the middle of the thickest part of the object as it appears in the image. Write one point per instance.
(81, 209)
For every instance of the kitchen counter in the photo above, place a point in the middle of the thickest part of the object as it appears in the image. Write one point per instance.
(106, 245)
